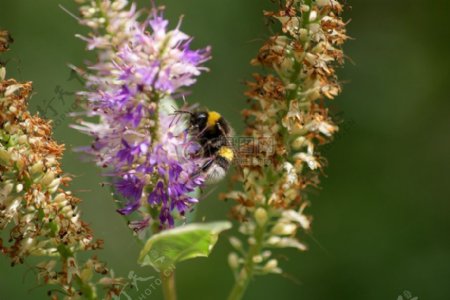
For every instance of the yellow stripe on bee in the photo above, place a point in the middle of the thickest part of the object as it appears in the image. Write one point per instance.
(226, 153)
(213, 117)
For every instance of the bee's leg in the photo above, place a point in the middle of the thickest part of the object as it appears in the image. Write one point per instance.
(225, 137)
(208, 192)
(201, 132)
(212, 146)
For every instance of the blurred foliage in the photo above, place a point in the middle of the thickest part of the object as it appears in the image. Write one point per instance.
(381, 216)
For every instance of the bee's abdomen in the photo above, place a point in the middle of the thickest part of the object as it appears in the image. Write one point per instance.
(216, 170)
(223, 162)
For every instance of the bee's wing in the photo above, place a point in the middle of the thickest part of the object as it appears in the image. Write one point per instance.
(203, 167)
(206, 165)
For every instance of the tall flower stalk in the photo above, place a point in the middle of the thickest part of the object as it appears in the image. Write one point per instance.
(41, 216)
(288, 106)
(139, 67)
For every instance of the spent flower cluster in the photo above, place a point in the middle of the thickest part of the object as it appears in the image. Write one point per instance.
(40, 215)
(140, 68)
(287, 103)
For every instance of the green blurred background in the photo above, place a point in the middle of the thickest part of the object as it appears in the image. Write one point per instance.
(382, 216)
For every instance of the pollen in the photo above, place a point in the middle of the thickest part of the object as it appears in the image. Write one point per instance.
(213, 117)
(226, 153)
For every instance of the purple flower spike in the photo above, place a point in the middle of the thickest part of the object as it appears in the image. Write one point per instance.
(138, 66)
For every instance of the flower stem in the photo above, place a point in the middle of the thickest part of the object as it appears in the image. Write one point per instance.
(168, 284)
(246, 274)
(240, 286)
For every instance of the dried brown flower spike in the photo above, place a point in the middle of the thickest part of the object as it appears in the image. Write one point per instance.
(41, 217)
(288, 106)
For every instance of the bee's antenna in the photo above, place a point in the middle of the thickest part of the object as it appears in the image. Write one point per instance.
(69, 13)
(177, 115)
(201, 132)
(208, 193)
(175, 112)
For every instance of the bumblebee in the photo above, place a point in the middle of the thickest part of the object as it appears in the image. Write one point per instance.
(213, 133)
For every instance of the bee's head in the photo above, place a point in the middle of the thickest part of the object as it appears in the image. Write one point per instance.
(199, 119)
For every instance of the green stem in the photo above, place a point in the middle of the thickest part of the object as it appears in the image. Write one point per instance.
(247, 270)
(298, 66)
(240, 286)
(168, 284)
(87, 289)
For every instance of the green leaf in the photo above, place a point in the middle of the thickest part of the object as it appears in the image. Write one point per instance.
(163, 250)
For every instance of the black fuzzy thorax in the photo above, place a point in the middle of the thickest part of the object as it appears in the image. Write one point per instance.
(211, 138)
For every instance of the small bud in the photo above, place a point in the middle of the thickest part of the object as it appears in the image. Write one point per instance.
(37, 167)
(284, 228)
(298, 217)
(66, 210)
(20, 164)
(19, 188)
(314, 28)
(299, 142)
(257, 259)
(60, 198)
(7, 189)
(75, 218)
(322, 3)
(10, 90)
(273, 240)
(286, 243)
(4, 156)
(313, 16)
(309, 159)
(54, 185)
(304, 8)
(247, 228)
(48, 178)
(236, 243)
(92, 24)
(51, 160)
(118, 5)
(2, 73)
(266, 254)
(261, 216)
(233, 260)
(22, 139)
(272, 267)
(303, 34)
